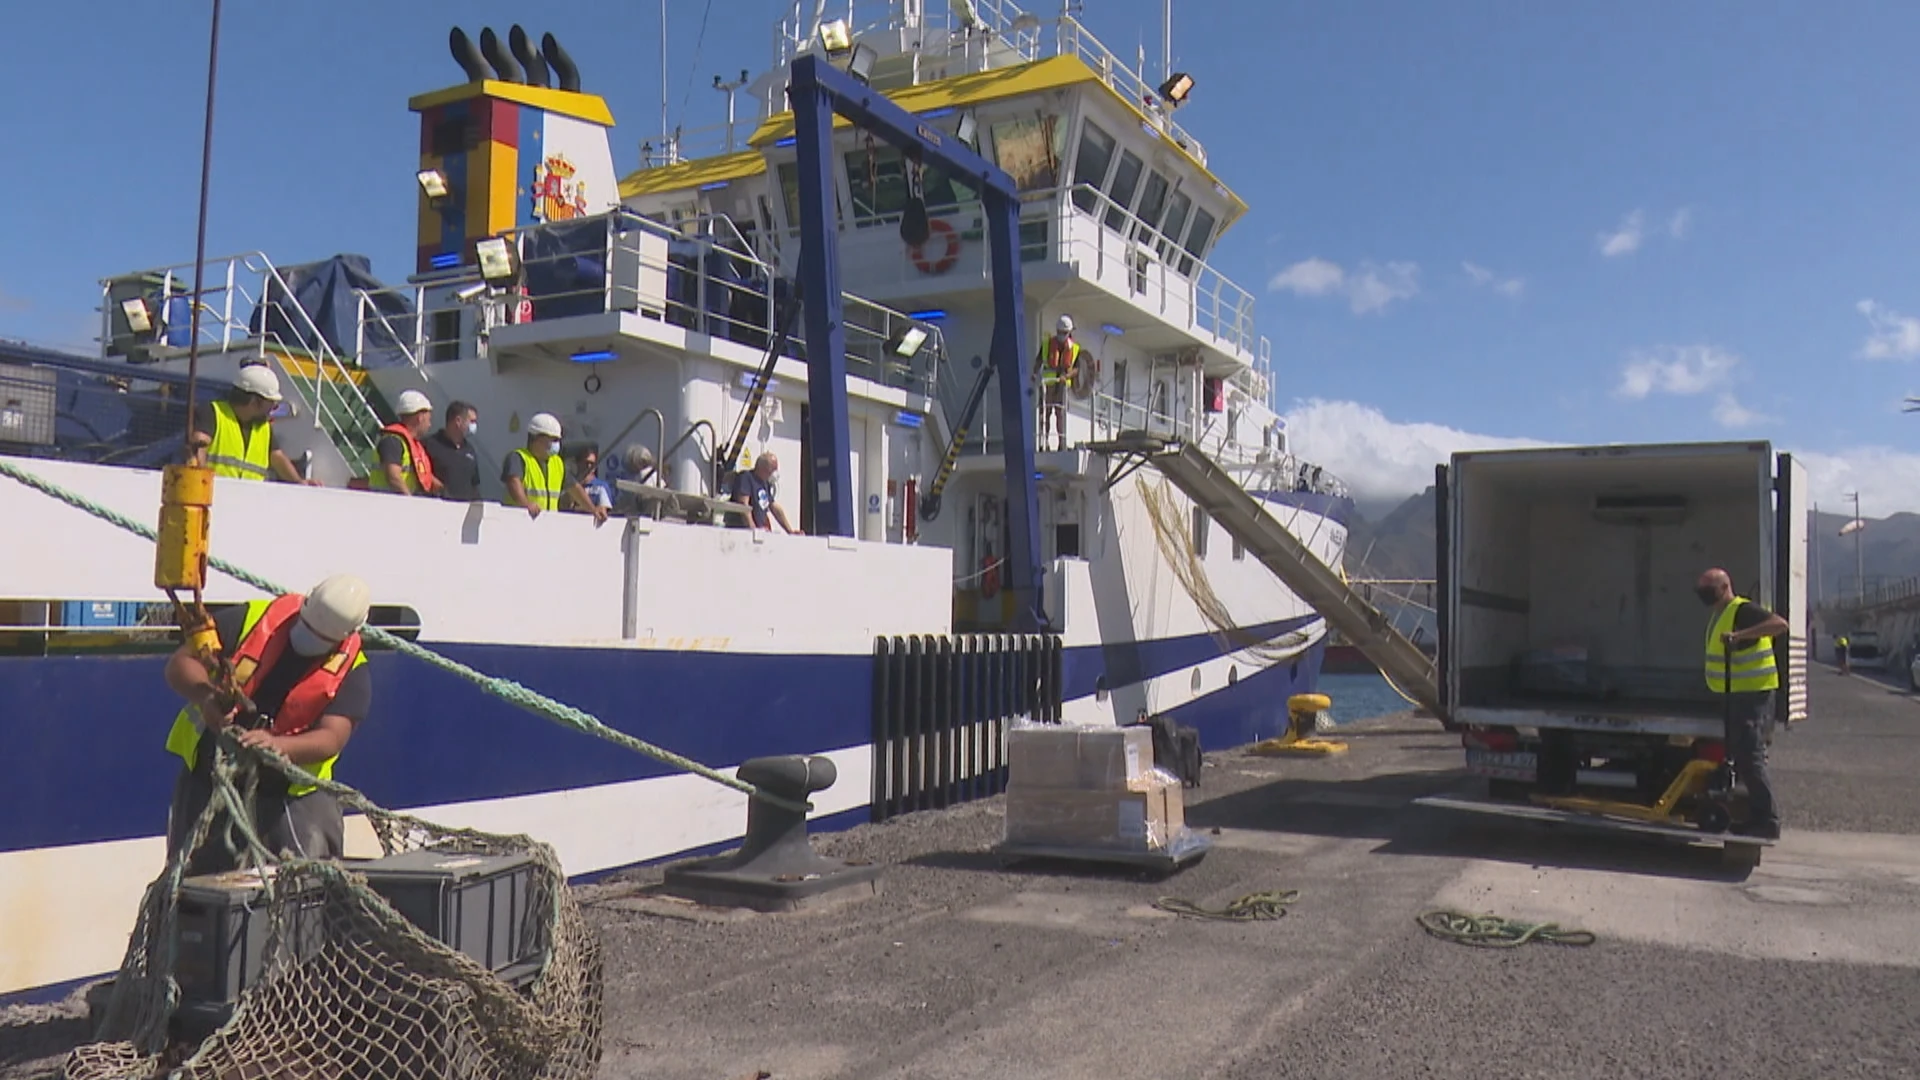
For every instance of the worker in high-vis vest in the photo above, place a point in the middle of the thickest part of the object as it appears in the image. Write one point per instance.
(536, 477)
(1841, 654)
(399, 459)
(1056, 364)
(237, 435)
(299, 662)
(1742, 668)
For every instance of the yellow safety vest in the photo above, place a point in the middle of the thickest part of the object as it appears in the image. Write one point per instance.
(377, 473)
(184, 738)
(236, 452)
(1049, 374)
(543, 484)
(1753, 663)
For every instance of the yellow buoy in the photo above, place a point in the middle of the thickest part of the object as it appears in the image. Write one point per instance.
(186, 525)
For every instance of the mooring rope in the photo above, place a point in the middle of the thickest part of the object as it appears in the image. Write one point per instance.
(506, 689)
(1253, 907)
(1495, 932)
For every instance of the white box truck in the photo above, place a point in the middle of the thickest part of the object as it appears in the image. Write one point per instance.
(1571, 642)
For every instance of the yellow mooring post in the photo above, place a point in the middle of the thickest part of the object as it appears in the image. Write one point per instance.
(1302, 709)
(181, 548)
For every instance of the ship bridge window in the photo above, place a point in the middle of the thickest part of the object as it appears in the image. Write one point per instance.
(1176, 223)
(1153, 202)
(1030, 151)
(1090, 167)
(1197, 239)
(1126, 181)
(877, 186)
(789, 174)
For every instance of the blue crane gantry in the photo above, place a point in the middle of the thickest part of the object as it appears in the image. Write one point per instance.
(818, 91)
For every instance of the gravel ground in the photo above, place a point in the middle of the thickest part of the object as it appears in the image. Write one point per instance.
(962, 968)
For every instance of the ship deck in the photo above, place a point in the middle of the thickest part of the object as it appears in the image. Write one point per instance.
(962, 968)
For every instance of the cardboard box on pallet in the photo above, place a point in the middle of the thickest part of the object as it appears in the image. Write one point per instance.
(1059, 757)
(1141, 820)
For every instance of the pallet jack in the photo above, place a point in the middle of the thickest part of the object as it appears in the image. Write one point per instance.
(1702, 802)
(1303, 713)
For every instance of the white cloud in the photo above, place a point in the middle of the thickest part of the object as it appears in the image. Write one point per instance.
(1486, 278)
(1676, 369)
(1382, 458)
(1369, 288)
(1376, 456)
(1627, 238)
(1679, 224)
(1895, 336)
(1309, 277)
(1729, 413)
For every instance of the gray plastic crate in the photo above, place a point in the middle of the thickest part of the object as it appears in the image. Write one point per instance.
(224, 927)
(475, 904)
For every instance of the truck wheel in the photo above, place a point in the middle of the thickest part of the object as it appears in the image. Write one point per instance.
(1714, 818)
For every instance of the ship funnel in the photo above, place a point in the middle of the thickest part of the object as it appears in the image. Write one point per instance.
(467, 56)
(528, 56)
(565, 72)
(497, 56)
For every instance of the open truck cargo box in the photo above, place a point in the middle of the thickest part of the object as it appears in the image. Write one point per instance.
(1567, 574)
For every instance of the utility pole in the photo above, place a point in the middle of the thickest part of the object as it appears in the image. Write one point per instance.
(1859, 561)
(728, 88)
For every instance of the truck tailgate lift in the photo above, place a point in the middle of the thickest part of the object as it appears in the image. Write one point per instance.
(1246, 520)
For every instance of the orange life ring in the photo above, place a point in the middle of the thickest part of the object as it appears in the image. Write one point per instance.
(989, 578)
(937, 228)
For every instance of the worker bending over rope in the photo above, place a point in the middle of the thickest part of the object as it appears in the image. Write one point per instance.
(299, 661)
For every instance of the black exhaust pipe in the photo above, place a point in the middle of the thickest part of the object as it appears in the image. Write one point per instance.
(467, 56)
(564, 70)
(528, 56)
(497, 56)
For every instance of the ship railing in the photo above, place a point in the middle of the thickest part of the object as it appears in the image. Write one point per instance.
(1158, 272)
(700, 275)
(245, 304)
(999, 33)
(692, 144)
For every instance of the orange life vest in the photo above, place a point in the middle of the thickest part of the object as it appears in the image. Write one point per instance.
(418, 463)
(1062, 357)
(262, 649)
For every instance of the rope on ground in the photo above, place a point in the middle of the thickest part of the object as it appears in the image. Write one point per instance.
(1253, 907)
(505, 689)
(1495, 932)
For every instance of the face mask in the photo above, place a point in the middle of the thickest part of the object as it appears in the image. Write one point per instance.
(307, 643)
(473, 426)
(1708, 594)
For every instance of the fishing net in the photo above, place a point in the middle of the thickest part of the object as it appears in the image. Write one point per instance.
(349, 987)
(1175, 542)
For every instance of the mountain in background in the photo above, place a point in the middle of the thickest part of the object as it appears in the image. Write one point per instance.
(1388, 540)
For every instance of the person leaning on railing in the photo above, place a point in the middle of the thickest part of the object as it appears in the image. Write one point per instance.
(236, 432)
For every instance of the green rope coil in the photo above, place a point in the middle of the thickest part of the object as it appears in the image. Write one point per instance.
(1495, 932)
(505, 689)
(1253, 907)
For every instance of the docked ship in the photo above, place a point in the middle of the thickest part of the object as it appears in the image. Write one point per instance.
(646, 311)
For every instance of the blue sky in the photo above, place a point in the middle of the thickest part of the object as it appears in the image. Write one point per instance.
(1471, 222)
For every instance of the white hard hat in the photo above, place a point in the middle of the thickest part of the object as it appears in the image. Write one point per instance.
(260, 380)
(336, 607)
(413, 401)
(1065, 324)
(544, 424)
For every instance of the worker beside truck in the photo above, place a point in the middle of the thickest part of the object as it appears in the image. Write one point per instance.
(1741, 666)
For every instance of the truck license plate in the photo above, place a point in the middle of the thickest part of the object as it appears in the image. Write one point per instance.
(1509, 764)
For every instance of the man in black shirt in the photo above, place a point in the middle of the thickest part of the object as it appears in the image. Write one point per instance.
(300, 662)
(455, 464)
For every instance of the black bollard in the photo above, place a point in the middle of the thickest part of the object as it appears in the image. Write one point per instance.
(776, 868)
